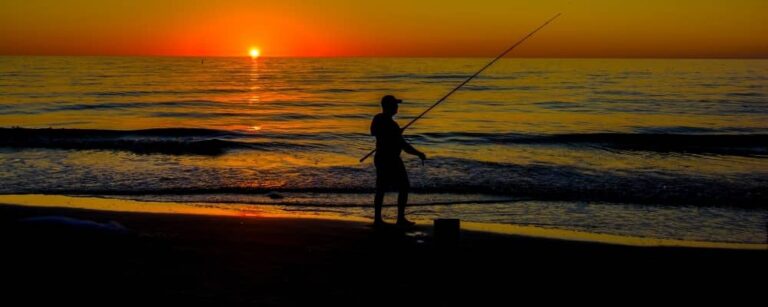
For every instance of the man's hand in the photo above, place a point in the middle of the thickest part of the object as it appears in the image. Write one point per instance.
(422, 156)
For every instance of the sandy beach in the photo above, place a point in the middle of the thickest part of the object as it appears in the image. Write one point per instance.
(136, 257)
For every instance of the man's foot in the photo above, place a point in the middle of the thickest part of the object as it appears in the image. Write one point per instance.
(405, 223)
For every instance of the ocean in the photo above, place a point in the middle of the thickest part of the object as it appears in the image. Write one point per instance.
(661, 148)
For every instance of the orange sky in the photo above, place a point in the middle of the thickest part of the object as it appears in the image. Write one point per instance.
(588, 28)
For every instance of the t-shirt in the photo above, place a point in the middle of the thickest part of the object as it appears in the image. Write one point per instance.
(389, 137)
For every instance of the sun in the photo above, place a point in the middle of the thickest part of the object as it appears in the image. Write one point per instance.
(254, 52)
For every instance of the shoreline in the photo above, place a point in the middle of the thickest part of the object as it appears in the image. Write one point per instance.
(268, 211)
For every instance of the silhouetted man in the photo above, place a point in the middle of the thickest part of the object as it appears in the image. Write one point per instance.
(390, 170)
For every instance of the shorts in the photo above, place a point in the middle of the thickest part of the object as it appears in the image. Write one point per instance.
(390, 173)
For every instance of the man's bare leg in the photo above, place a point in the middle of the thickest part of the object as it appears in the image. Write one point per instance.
(402, 201)
(378, 202)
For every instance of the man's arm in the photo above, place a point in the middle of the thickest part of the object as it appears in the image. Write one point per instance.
(407, 147)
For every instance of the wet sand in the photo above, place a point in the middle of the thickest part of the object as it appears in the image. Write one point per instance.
(229, 260)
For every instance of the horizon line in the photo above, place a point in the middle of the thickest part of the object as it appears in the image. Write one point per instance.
(400, 56)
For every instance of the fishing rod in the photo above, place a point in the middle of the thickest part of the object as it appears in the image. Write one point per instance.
(469, 79)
